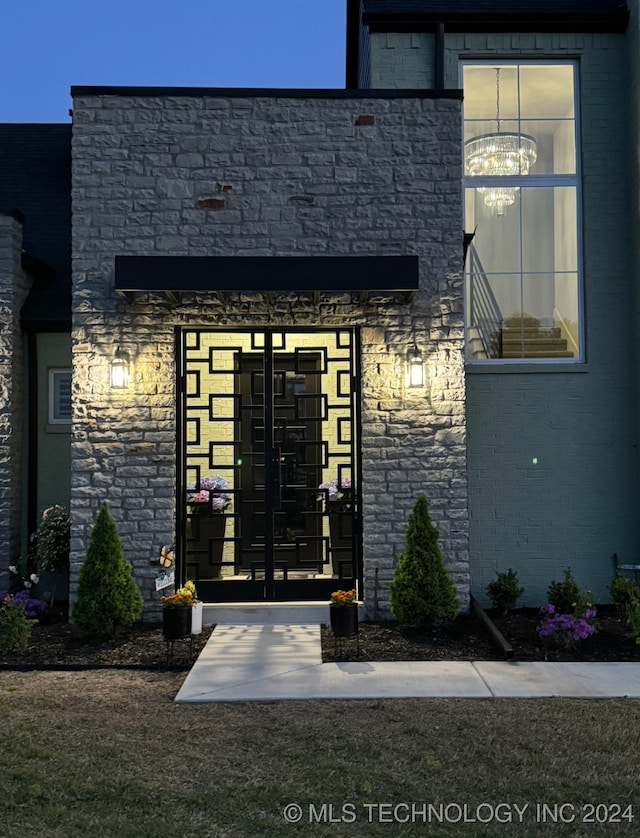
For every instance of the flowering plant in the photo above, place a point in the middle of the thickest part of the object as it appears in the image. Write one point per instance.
(28, 582)
(566, 629)
(338, 492)
(339, 598)
(212, 492)
(32, 606)
(184, 597)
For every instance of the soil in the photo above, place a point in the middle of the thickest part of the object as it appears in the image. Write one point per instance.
(55, 644)
(467, 639)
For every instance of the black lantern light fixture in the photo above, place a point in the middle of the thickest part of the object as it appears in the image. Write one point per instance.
(120, 370)
(415, 367)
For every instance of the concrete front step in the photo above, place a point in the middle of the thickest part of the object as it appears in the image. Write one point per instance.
(265, 613)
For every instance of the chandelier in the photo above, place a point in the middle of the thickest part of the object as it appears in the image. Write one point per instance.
(498, 155)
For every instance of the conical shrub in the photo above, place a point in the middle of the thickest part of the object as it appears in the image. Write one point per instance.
(108, 596)
(422, 592)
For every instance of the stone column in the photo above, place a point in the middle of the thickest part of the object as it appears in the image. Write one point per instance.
(14, 287)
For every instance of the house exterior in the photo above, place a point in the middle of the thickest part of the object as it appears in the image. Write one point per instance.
(293, 311)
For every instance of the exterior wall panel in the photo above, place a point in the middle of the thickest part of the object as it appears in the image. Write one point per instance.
(578, 504)
(235, 176)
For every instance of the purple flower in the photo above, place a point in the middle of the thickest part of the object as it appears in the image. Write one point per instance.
(32, 607)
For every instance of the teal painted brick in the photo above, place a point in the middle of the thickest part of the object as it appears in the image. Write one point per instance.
(579, 504)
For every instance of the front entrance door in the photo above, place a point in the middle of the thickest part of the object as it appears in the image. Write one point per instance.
(269, 463)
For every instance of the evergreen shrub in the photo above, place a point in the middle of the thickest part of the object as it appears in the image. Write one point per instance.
(422, 592)
(566, 596)
(504, 591)
(108, 596)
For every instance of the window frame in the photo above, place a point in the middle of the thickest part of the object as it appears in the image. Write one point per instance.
(534, 181)
(55, 375)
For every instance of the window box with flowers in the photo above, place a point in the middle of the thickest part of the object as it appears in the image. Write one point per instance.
(206, 526)
(338, 497)
(343, 614)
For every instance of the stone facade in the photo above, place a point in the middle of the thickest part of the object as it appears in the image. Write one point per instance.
(292, 175)
(577, 504)
(14, 287)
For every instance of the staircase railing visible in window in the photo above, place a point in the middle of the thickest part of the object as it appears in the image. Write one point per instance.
(484, 311)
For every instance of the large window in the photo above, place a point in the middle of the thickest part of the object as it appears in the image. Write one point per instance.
(521, 199)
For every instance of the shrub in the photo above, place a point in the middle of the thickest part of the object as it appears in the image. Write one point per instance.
(626, 596)
(623, 591)
(53, 539)
(633, 618)
(504, 591)
(108, 596)
(15, 626)
(565, 596)
(422, 591)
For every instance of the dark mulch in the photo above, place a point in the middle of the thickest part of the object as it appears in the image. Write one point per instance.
(55, 644)
(466, 639)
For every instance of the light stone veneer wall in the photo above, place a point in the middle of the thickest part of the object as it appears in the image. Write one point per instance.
(14, 287)
(212, 174)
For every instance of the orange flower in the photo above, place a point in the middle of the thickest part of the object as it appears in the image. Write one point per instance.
(343, 597)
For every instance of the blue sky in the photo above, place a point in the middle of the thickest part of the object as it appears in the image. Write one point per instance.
(48, 45)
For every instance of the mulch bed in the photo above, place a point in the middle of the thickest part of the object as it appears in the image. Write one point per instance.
(56, 645)
(467, 639)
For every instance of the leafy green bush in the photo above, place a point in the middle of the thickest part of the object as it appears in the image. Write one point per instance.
(422, 592)
(54, 535)
(566, 596)
(15, 626)
(108, 596)
(504, 591)
(623, 591)
(626, 596)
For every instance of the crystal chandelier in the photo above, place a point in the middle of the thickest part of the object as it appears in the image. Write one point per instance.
(499, 155)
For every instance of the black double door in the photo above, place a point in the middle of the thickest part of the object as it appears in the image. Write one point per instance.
(275, 415)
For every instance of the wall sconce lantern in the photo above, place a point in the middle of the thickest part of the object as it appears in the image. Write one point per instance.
(120, 370)
(415, 367)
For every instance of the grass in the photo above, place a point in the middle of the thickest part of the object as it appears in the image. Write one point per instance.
(110, 754)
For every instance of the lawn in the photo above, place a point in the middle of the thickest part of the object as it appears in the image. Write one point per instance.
(109, 754)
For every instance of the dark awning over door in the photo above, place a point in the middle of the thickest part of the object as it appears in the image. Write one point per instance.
(371, 278)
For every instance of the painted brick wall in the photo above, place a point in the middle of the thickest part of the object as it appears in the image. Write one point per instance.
(579, 503)
(209, 175)
(402, 60)
(14, 287)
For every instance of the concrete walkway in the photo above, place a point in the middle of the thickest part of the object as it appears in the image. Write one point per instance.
(279, 661)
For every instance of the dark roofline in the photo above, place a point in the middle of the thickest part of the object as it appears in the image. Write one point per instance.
(263, 93)
(353, 43)
(610, 23)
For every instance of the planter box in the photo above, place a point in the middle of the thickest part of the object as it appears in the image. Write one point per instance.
(344, 620)
(176, 623)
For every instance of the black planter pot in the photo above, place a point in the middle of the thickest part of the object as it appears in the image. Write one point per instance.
(176, 623)
(344, 620)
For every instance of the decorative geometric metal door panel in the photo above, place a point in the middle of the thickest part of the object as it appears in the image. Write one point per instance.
(269, 465)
